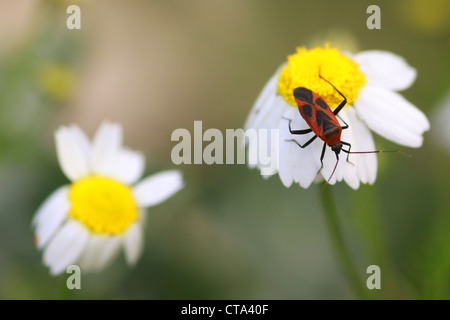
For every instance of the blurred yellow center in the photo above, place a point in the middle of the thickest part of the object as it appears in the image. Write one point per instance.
(102, 204)
(302, 70)
(58, 81)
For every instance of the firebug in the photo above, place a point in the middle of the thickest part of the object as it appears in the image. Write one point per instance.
(323, 122)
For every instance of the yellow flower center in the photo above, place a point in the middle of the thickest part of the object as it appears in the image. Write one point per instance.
(102, 204)
(302, 70)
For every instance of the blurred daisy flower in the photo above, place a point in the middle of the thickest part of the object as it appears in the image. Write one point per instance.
(87, 222)
(369, 80)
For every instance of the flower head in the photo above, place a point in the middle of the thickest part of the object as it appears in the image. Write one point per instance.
(369, 80)
(87, 221)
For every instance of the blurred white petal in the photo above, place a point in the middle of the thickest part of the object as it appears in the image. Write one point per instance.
(66, 246)
(72, 151)
(110, 249)
(157, 188)
(51, 215)
(133, 243)
(93, 251)
(106, 148)
(56, 201)
(129, 166)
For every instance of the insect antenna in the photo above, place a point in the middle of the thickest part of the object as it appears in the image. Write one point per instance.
(355, 152)
(378, 151)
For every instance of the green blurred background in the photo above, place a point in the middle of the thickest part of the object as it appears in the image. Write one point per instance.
(156, 66)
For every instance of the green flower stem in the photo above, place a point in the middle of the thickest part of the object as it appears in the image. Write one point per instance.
(64, 293)
(369, 229)
(343, 254)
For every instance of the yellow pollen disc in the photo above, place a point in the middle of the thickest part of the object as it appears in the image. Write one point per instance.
(302, 70)
(102, 204)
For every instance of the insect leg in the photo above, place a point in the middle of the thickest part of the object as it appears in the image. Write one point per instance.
(322, 156)
(349, 148)
(297, 131)
(346, 124)
(339, 107)
(307, 143)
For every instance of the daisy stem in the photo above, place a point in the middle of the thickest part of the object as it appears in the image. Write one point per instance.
(369, 229)
(341, 250)
(64, 293)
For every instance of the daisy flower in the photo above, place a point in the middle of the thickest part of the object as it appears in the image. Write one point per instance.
(101, 210)
(369, 80)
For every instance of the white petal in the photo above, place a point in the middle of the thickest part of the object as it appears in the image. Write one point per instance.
(385, 69)
(73, 153)
(352, 165)
(45, 230)
(296, 164)
(65, 248)
(391, 116)
(268, 92)
(263, 150)
(133, 243)
(265, 118)
(110, 249)
(359, 167)
(264, 113)
(367, 163)
(91, 255)
(57, 200)
(129, 166)
(106, 148)
(286, 166)
(50, 215)
(157, 188)
(82, 140)
(276, 114)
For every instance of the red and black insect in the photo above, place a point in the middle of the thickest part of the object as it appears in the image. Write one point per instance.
(323, 122)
